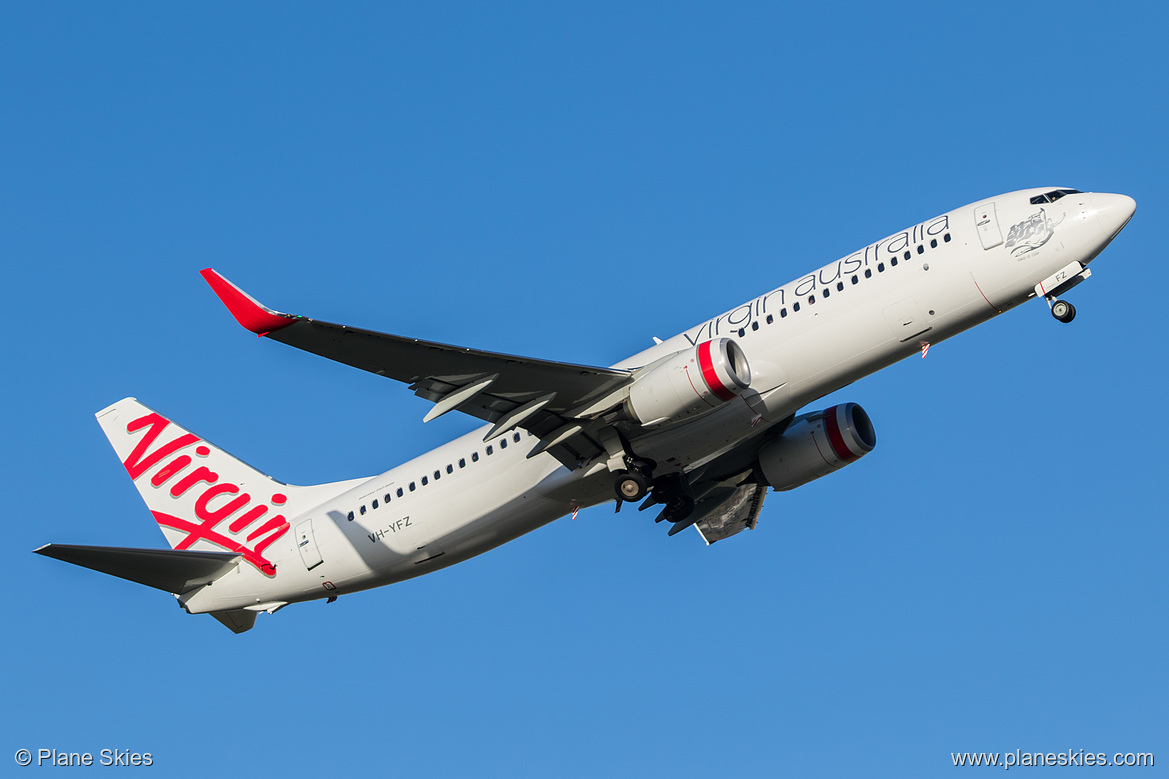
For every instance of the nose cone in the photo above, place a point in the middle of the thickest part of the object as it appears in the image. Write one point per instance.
(1113, 212)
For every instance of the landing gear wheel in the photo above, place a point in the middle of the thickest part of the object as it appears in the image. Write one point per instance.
(631, 486)
(1063, 311)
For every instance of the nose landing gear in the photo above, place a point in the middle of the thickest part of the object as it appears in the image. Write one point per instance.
(1059, 283)
(1063, 311)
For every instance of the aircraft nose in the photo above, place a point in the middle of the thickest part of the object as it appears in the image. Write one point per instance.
(1113, 212)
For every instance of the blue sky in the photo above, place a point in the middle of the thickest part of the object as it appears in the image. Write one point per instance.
(566, 182)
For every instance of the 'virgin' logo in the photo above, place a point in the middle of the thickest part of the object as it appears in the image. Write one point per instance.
(215, 502)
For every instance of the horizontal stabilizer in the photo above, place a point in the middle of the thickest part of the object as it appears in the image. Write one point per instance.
(239, 620)
(171, 570)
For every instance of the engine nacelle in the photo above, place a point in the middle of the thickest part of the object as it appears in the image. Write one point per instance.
(817, 444)
(689, 383)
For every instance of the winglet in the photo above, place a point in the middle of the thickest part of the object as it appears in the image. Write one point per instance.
(248, 311)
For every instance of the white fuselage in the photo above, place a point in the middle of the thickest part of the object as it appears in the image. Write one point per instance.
(804, 340)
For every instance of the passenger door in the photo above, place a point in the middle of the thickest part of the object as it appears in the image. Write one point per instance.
(307, 544)
(987, 222)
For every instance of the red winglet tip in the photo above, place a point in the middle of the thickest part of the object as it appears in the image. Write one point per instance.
(248, 311)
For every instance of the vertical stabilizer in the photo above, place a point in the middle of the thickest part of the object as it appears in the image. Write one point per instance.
(202, 497)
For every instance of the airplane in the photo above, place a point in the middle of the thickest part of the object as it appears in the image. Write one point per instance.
(697, 427)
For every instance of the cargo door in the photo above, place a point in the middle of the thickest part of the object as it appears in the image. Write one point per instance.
(426, 553)
(906, 320)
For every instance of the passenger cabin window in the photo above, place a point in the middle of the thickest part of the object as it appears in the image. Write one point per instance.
(462, 462)
(350, 516)
(411, 486)
(474, 457)
(362, 509)
(503, 443)
(516, 438)
(399, 492)
(450, 469)
(425, 481)
(374, 504)
(770, 319)
(437, 475)
(490, 451)
(388, 496)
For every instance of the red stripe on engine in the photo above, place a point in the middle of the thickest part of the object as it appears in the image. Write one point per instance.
(832, 425)
(709, 375)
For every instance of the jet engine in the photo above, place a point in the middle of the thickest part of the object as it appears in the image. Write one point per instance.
(689, 383)
(817, 444)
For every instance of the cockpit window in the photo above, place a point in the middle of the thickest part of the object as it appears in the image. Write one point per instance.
(1053, 195)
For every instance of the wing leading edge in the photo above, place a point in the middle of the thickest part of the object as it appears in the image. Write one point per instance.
(553, 401)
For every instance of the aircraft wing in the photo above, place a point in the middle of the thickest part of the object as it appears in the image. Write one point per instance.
(550, 400)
